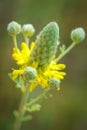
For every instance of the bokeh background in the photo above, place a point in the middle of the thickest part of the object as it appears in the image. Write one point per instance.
(67, 109)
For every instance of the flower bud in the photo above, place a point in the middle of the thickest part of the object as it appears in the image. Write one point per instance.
(28, 30)
(13, 28)
(30, 73)
(54, 83)
(46, 45)
(78, 35)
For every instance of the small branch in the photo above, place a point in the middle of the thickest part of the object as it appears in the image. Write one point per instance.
(65, 52)
(38, 98)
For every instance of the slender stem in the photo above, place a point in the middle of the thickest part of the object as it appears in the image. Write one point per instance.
(21, 112)
(15, 41)
(65, 52)
(17, 124)
(26, 40)
(38, 98)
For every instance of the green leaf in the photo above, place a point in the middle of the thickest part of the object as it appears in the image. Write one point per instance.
(34, 107)
(49, 95)
(15, 113)
(19, 82)
(62, 48)
(10, 75)
(26, 118)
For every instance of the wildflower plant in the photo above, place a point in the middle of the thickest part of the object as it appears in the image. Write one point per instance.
(38, 65)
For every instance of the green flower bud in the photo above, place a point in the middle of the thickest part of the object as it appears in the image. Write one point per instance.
(28, 30)
(54, 83)
(78, 35)
(30, 73)
(13, 28)
(46, 45)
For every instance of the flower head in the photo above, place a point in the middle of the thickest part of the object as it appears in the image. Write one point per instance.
(40, 58)
(53, 70)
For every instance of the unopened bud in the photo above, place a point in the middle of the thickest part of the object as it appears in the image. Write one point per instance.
(28, 30)
(30, 73)
(78, 35)
(13, 28)
(54, 82)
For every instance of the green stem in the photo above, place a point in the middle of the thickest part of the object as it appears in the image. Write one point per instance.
(15, 41)
(21, 112)
(38, 98)
(17, 124)
(65, 52)
(26, 40)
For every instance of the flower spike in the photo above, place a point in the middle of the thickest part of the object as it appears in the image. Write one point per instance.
(46, 45)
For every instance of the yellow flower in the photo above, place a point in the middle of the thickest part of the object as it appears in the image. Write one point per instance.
(39, 60)
(53, 70)
(22, 57)
(16, 73)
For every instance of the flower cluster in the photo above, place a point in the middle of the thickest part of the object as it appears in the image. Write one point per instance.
(39, 56)
(37, 62)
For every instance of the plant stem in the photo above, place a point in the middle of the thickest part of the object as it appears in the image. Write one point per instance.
(26, 40)
(21, 112)
(17, 124)
(65, 52)
(38, 98)
(15, 41)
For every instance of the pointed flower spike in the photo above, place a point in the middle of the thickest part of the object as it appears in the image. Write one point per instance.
(46, 45)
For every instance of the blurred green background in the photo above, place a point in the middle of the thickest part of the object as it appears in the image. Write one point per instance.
(67, 109)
